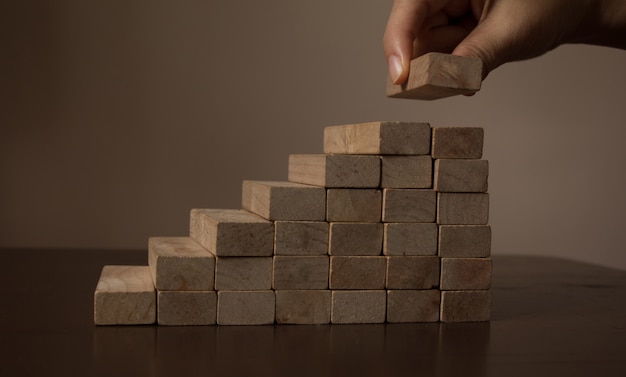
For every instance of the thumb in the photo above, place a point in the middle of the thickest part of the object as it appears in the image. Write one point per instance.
(484, 44)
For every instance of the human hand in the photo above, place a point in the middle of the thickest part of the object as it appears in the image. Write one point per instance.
(497, 31)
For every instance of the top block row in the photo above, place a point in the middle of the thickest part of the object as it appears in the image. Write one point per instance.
(404, 138)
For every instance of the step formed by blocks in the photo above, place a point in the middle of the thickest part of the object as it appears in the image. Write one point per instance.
(390, 224)
(436, 75)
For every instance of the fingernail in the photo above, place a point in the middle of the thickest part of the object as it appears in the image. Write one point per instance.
(395, 68)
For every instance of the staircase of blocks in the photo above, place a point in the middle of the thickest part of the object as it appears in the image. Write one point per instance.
(389, 224)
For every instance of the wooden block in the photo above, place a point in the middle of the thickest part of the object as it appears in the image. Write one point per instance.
(464, 241)
(357, 272)
(460, 175)
(358, 306)
(460, 274)
(243, 273)
(355, 238)
(378, 138)
(125, 295)
(457, 142)
(180, 264)
(232, 232)
(300, 272)
(303, 307)
(409, 306)
(354, 205)
(406, 172)
(335, 170)
(410, 239)
(246, 307)
(465, 306)
(412, 272)
(462, 208)
(436, 75)
(409, 205)
(301, 238)
(284, 200)
(187, 308)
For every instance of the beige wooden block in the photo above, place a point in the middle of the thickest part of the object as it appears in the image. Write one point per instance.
(409, 205)
(410, 239)
(406, 172)
(125, 295)
(300, 272)
(243, 273)
(459, 274)
(464, 241)
(410, 306)
(246, 307)
(457, 142)
(232, 232)
(465, 306)
(353, 205)
(275, 200)
(378, 138)
(412, 272)
(303, 307)
(462, 208)
(335, 170)
(461, 175)
(301, 238)
(366, 306)
(436, 75)
(355, 238)
(187, 308)
(180, 264)
(357, 272)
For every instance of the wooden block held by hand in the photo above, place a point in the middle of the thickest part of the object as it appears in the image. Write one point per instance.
(284, 200)
(436, 75)
(348, 238)
(354, 205)
(187, 308)
(300, 272)
(180, 264)
(301, 238)
(246, 307)
(410, 306)
(465, 306)
(359, 306)
(379, 138)
(406, 172)
(303, 307)
(457, 142)
(334, 170)
(461, 175)
(125, 295)
(357, 272)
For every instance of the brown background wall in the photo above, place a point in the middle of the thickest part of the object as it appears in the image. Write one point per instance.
(118, 117)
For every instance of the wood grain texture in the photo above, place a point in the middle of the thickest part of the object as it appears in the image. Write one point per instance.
(366, 306)
(412, 272)
(243, 273)
(336, 171)
(436, 75)
(457, 142)
(186, 308)
(301, 238)
(276, 200)
(356, 272)
(409, 306)
(125, 295)
(409, 205)
(406, 172)
(378, 138)
(232, 232)
(465, 306)
(461, 175)
(410, 239)
(303, 307)
(353, 205)
(246, 307)
(462, 208)
(464, 241)
(300, 272)
(180, 264)
(348, 238)
(458, 274)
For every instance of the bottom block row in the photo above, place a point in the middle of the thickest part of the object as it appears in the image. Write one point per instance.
(130, 298)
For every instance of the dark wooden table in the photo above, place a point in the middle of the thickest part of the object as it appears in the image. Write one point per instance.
(551, 317)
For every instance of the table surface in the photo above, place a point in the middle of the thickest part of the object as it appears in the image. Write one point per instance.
(551, 317)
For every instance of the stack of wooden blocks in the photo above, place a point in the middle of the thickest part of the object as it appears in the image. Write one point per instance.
(388, 225)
